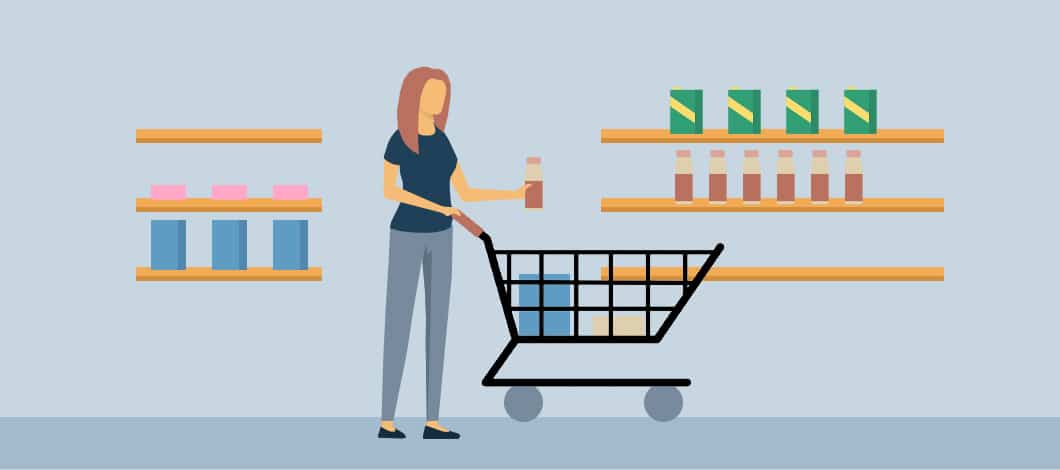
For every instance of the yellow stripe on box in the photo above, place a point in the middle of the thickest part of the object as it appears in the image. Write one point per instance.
(799, 110)
(741, 110)
(857, 110)
(682, 110)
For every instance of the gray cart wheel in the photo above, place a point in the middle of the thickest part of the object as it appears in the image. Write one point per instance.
(523, 403)
(663, 403)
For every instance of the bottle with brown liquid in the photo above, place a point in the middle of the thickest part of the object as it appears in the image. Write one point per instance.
(683, 177)
(819, 178)
(854, 178)
(535, 194)
(719, 191)
(785, 178)
(752, 178)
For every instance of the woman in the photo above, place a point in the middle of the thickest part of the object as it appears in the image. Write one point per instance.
(421, 234)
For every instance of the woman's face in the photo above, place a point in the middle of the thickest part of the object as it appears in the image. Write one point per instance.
(433, 97)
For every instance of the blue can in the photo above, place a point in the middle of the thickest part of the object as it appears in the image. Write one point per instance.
(290, 244)
(169, 244)
(229, 245)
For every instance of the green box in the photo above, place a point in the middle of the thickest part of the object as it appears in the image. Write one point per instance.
(859, 111)
(686, 111)
(802, 115)
(745, 111)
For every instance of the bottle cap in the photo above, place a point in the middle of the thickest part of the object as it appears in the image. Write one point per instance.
(820, 153)
(750, 153)
(784, 153)
(854, 153)
(717, 153)
(684, 153)
(533, 160)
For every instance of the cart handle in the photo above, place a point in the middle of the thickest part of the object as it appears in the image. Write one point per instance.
(469, 224)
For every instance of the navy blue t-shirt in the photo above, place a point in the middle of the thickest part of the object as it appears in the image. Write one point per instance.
(425, 175)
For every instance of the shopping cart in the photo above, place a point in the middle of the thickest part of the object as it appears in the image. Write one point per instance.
(523, 401)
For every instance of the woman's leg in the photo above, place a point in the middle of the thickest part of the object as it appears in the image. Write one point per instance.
(403, 272)
(437, 279)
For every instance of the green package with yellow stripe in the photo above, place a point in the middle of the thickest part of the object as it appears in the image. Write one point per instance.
(859, 111)
(745, 111)
(802, 115)
(686, 111)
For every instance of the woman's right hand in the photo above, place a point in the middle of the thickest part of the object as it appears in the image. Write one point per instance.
(451, 211)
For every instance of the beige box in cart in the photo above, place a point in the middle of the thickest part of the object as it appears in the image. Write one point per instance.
(625, 325)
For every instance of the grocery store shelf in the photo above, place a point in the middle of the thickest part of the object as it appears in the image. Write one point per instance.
(614, 204)
(772, 136)
(208, 274)
(245, 205)
(229, 136)
(766, 273)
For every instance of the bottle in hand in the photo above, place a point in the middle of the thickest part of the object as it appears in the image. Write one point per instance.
(535, 194)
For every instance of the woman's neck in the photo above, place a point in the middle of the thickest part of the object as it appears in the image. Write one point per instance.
(426, 124)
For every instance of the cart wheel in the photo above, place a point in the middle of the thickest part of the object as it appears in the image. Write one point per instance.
(663, 403)
(523, 403)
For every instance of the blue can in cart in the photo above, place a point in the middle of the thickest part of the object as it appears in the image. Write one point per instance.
(557, 322)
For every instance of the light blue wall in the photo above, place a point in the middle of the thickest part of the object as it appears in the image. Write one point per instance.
(78, 337)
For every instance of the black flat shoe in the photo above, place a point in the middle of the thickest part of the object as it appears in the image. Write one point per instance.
(395, 434)
(431, 433)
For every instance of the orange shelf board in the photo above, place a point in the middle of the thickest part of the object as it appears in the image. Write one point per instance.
(229, 136)
(768, 273)
(245, 205)
(772, 136)
(144, 273)
(770, 205)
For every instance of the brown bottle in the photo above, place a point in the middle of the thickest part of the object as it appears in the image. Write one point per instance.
(819, 178)
(752, 178)
(683, 193)
(719, 191)
(785, 178)
(535, 194)
(854, 178)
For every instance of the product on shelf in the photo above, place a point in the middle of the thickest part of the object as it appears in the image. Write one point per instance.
(686, 111)
(229, 192)
(752, 178)
(169, 244)
(745, 111)
(557, 323)
(785, 177)
(168, 192)
(624, 325)
(290, 192)
(819, 177)
(683, 192)
(229, 244)
(802, 115)
(719, 192)
(859, 111)
(854, 178)
(290, 244)
(535, 194)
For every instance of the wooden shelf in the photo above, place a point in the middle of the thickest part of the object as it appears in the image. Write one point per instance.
(246, 205)
(144, 273)
(766, 273)
(772, 136)
(770, 205)
(229, 136)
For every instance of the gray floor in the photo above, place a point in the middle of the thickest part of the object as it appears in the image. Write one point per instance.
(555, 442)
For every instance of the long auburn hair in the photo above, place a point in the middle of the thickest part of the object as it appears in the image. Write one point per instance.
(408, 109)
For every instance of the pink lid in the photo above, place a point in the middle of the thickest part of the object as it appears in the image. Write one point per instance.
(750, 153)
(784, 153)
(229, 192)
(820, 153)
(684, 153)
(717, 153)
(854, 153)
(533, 160)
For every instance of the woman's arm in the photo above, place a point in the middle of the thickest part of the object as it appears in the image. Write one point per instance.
(394, 193)
(469, 194)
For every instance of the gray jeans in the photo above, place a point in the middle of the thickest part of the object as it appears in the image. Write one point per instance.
(408, 251)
